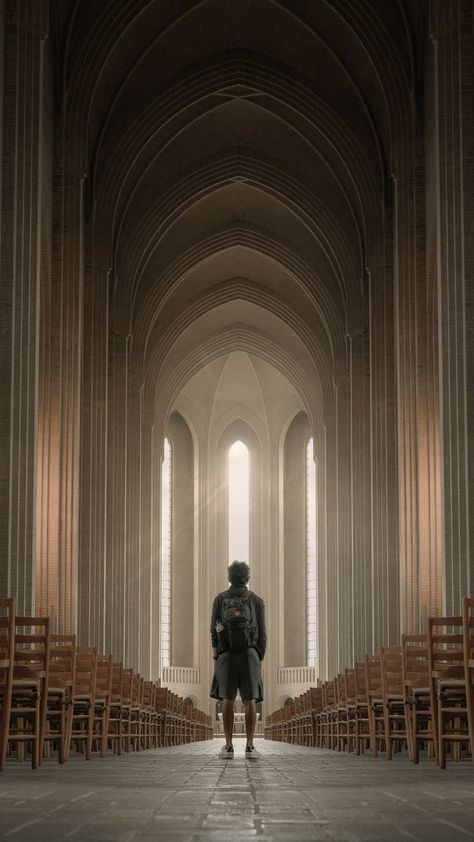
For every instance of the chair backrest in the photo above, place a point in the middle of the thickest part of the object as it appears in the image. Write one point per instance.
(62, 661)
(468, 635)
(7, 641)
(137, 686)
(415, 667)
(161, 699)
(32, 642)
(446, 647)
(127, 685)
(391, 663)
(340, 688)
(329, 694)
(148, 694)
(117, 682)
(86, 670)
(350, 685)
(103, 681)
(373, 675)
(361, 683)
(316, 698)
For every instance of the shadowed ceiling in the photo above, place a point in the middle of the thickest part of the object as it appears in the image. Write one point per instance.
(237, 156)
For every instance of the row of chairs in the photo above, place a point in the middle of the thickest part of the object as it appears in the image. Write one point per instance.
(55, 694)
(412, 697)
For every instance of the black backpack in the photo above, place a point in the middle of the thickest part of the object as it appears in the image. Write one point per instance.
(239, 622)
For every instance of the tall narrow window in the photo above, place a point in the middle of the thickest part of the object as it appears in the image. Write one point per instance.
(239, 502)
(165, 596)
(311, 557)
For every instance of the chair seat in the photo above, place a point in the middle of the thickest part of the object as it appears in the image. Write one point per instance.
(25, 683)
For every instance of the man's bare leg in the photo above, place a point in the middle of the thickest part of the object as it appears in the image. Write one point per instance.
(228, 720)
(250, 720)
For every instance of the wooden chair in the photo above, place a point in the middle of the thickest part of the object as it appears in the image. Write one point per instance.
(115, 735)
(373, 679)
(62, 674)
(165, 715)
(341, 715)
(316, 703)
(416, 693)
(136, 712)
(158, 727)
(127, 691)
(361, 724)
(351, 705)
(187, 719)
(179, 719)
(148, 707)
(281, 724)
(7, 659)
(102, 699)
(84, 699)
(306, 719)
(393, 699)
(176, 720)
(468, 645)
(327, 714)
(447, 686)
(288, 722)
(29, 688)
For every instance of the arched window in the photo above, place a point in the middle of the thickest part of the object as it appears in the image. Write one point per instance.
(239, 502)
(165, 594)
(311, 557)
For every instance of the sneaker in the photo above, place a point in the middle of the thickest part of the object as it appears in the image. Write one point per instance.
(251, 753)
(227, 752)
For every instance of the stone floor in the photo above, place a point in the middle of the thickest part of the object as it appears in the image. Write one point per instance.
(188, 794)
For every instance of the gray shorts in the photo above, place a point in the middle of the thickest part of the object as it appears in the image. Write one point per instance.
(238, 671)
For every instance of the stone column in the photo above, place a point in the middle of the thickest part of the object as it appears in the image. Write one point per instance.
(450, 186)
(21, 271)
(416, 348)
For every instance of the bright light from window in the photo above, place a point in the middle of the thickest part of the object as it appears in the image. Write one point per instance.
(239, 502)
(311, 557)
(165, 595)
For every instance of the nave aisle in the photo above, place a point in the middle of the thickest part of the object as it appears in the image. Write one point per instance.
(189, 794)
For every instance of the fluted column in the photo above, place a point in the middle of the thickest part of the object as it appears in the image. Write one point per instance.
(450, 180)
(21, 275)
(416, 340)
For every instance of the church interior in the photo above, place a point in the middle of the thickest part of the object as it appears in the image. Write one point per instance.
(237, 322)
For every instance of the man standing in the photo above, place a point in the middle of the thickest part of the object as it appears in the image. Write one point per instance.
(239, 639)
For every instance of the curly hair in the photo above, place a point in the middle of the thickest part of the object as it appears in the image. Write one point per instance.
(238, 573)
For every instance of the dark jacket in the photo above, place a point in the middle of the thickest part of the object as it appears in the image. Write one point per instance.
(259, 610)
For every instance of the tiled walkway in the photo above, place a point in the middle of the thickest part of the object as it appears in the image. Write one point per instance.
(189, 794)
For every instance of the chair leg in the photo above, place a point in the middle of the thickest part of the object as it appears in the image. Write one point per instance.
(62, 735)
(36, 739)
(439, 737)
(5, 728)
(90, 731)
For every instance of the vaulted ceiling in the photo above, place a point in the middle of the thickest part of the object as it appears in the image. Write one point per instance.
(237, 156)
